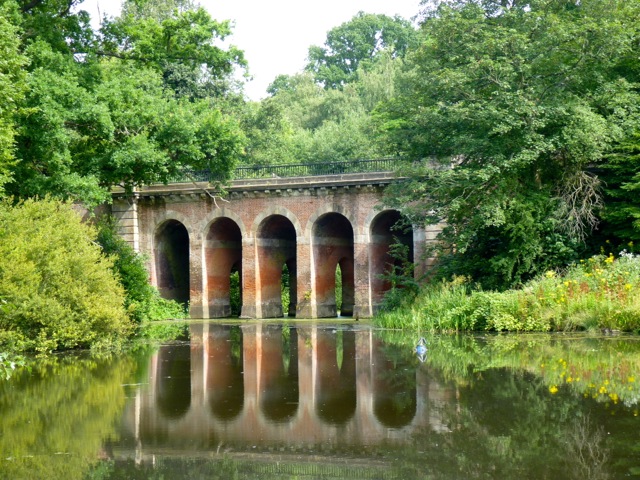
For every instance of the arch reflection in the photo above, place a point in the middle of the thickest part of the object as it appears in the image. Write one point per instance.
(279, 373)
(174, 380)
(282, 385)
(336, 397)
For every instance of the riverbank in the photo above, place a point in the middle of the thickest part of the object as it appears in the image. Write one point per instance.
(601, 293)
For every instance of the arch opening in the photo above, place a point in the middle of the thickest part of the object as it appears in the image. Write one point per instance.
(276, 248)
(333, 254)
(223, 260)
(394, 388)
(172, 261)
(391, 253)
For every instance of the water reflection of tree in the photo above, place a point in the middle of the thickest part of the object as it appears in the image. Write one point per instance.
(504, 427)
(395, 391)
(55, 418)
(508, 421)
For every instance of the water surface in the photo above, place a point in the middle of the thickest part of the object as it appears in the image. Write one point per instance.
(330, 400)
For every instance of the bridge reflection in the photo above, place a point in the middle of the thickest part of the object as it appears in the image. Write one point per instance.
(263, 384)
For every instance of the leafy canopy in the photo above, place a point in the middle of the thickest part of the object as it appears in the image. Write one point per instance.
(132, 105)
(358, 43)
(508, 104)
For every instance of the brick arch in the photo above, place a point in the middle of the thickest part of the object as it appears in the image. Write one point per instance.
(380, 260)
(219, 213)
(222, 255)
(276, 240)
(331, 209)
(368, 221)
(332, 239)
(275, 210)
(164, 217)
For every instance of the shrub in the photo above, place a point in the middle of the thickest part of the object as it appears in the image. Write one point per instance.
(57, 290)
(598, 293)
(143, 302)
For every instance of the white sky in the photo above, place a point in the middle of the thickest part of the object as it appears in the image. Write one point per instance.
(275, 35)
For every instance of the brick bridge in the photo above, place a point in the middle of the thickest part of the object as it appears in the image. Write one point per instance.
(309, 219)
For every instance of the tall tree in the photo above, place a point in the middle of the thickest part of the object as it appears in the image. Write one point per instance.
(358, 43)
(12, 87)
(98, 113)
(508, 104)
(180, 41)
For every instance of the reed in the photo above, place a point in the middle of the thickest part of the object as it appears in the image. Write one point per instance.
(601, 292)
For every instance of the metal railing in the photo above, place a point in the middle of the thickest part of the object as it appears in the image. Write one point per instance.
(293, 170)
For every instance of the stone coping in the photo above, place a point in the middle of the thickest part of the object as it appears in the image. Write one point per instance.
(261, 184)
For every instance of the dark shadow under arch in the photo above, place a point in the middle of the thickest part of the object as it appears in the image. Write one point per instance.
(172, 261)
(333, 245)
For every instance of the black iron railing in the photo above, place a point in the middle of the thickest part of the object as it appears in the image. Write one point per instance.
(293, 170)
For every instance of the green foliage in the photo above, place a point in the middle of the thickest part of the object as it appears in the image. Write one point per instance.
(509, 105)
(285, 289)
(599, 293)
(9, 363)
(357, 44)
(338, 289)
(57, 416)
(57, 290)
(620, 172)
(178, 40)
(164, 331)
(303, 123)
(235, 294)
(403, 286)
(142, 301)
(129, 106)
(270, 135)
(12, 86)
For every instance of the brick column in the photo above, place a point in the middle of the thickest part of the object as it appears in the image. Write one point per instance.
(304, 307)
(362, 305)
(250, 280)
(198, 307)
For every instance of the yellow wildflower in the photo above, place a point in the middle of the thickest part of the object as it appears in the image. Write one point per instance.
(553, 389)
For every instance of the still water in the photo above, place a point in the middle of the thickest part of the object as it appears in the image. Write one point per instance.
(321, 400)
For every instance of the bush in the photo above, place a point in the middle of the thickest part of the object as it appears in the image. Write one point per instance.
(598, 293)
(143, 302)
(57, 290)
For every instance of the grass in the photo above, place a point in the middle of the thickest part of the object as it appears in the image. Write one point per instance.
(602, 293)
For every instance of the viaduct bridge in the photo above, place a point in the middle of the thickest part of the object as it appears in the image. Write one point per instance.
(306, 220)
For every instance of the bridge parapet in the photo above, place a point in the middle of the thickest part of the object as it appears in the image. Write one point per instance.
(387, 164)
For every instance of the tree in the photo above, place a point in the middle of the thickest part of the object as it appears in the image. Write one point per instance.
(179, 41)
(358, 43)
(508, 104)
(620, 171)
(12, 86)
(98, 113)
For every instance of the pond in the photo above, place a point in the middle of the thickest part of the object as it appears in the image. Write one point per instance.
(329, 400)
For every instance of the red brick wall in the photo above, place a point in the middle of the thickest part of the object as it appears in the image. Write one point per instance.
(251, 210)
